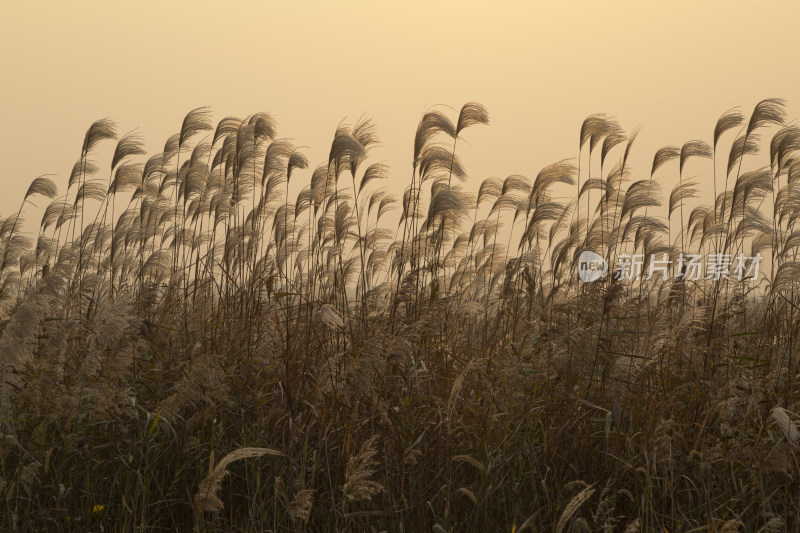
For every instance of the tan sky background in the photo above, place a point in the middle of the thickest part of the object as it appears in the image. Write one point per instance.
(539, 68)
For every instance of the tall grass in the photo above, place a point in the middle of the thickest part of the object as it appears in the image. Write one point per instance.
(434, 367)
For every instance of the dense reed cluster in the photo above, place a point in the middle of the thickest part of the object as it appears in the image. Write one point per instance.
(189, 343)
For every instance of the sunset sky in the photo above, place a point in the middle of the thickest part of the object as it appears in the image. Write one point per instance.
(539, 68)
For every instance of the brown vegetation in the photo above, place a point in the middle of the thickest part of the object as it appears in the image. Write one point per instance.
(443, 374)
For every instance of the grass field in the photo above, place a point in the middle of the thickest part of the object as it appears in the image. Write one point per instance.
(187, 344)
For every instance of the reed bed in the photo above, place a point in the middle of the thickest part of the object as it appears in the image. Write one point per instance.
(188, 344)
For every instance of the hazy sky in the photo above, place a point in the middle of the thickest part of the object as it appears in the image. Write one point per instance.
(671, 68)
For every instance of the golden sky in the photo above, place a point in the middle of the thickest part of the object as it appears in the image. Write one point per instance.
(540, 68)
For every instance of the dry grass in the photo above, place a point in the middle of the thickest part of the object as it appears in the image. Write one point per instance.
(447, 372)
